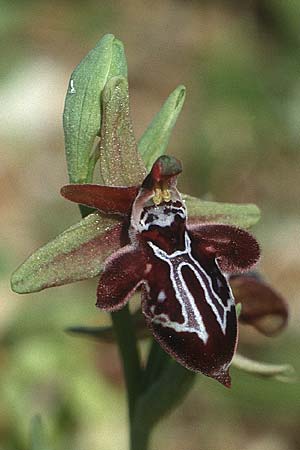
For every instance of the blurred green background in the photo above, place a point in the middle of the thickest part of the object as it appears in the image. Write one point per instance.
(238, 138)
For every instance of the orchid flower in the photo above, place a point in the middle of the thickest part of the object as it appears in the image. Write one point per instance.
(180, 268)
(186, 256)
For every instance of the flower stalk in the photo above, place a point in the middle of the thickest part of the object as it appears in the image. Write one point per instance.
(129, 353)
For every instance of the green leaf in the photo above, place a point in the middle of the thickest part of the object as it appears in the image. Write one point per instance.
(37, 438)
(82, 112)
(162, 395)
(156, 362)
(120, 162)
(243, 215)
(154, 141)
(104, 334)
(107, 334)
(76, 254)
(280, 372)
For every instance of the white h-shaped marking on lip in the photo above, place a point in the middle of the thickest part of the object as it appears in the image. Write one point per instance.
(161, 219)
(193, 321)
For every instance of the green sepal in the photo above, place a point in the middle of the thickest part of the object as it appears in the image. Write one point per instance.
(154, 141)
(76, 254)
(37, 439)
(242, 215)
(82, 112)
(279, 372)
(120, 162)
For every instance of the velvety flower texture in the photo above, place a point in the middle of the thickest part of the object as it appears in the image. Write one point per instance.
(181, 268)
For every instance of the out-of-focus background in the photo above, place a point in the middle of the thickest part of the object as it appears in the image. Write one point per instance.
(238, 137)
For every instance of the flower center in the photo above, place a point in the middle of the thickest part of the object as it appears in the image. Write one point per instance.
(160, 195)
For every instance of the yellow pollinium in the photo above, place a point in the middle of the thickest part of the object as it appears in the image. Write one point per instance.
(161, 195)
(166, 194)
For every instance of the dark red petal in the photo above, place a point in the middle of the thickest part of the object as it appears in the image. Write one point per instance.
(108, 199)
(236, 249)
(262, 307)
(178, 329)
(122, 275)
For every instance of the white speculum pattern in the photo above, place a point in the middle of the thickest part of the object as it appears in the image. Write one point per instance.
(160, 216)
(193, 322)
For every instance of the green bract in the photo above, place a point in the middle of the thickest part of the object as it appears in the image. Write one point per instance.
(155, 139)
(120, 162)
(82, 112)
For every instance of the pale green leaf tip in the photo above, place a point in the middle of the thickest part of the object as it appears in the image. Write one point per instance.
(106, 39)
(154, 141)
(19, 283)
(280, 372)
(117, 83)
(106, 42)
(14, 283)
(180, 92)
(118, 46)
(118, 64)
(108, 35)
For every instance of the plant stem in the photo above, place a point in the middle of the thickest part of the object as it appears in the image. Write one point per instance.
(123, 327)
(139, 438)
